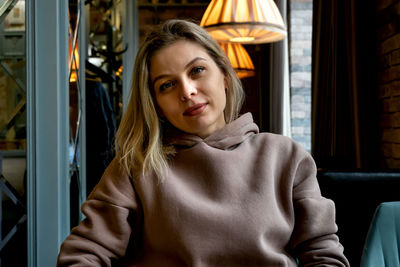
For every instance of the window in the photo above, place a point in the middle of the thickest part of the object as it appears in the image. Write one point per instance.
(300, 70)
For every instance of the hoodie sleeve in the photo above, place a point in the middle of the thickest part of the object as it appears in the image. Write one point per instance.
(314, 240)
(104, 234)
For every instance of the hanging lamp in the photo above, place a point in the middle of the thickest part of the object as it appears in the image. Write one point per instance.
(239, 59)
(244, 21)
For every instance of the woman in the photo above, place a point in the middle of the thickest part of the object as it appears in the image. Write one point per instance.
(193, 184)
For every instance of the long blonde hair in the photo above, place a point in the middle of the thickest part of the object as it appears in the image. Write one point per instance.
(139, 141)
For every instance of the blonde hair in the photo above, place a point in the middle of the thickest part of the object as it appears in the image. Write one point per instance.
(139, 137)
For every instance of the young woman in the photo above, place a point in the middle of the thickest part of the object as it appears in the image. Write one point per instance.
(193, 184)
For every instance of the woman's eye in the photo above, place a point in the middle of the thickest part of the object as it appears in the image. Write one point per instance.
(166, 86)
(197, 70)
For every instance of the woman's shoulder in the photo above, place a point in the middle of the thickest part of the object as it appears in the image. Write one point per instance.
(115, 178)
(278, 143)
(115, 169)
(276, 139)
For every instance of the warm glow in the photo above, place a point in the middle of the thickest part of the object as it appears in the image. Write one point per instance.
(241, 39)
(239, 59)
(244, 21)
(74, 60)
(73, 77)
(119, 71)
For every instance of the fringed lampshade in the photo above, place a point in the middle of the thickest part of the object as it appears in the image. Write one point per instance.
(244, 21)
(239, 59)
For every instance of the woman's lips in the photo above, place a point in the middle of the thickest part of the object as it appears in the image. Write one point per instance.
(195, 109)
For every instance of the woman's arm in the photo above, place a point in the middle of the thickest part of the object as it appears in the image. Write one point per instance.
(314, 240)
(104, 234)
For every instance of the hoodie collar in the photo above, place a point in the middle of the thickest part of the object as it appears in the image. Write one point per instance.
(229, 136)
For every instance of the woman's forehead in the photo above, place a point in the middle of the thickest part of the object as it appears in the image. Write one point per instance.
(179, 53)
(178, 45)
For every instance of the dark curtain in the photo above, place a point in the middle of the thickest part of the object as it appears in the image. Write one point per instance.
(344, 90)
(273, 80)
(279, 83)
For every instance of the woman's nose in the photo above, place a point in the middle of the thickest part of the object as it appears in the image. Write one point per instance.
(188, 90)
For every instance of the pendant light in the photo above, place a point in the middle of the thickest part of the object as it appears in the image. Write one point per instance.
(244, 21)
(239, 59)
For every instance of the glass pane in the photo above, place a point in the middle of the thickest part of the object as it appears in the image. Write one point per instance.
(102, 64)
(103, 86)
(13, 217)
(75, 107)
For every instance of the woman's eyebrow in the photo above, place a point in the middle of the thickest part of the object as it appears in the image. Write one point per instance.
(186, 66)
(194, 60)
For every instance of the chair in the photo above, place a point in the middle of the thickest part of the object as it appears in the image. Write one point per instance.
(382, 246)
(357, 194)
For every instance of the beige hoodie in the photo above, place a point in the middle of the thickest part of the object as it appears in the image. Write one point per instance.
(235, 198)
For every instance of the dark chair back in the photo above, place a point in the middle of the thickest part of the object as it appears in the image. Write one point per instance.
(357, 194)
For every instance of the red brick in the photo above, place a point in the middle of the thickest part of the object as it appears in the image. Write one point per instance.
(384, 62)
(390, 74)
(391, 135)
(395, 57)
(395, 120)
(387, 30)
(390, 150)
(386, 121)
(391, 163)
(395, 88)
(386, 150)
(390, 44)
(394, 104)
(396, 151)
(385, 90)
(391, 105)
(386, 105)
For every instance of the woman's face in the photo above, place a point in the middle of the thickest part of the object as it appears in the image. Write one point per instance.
(189, 88)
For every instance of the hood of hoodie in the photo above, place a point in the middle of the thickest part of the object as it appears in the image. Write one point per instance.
(229, 136)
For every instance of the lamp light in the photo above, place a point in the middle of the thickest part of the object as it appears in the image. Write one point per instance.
(73, 60)
(239, 59)
(244, 21)
(73, 63)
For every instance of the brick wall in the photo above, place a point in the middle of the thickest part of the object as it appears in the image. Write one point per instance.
(388, 50)
(300, 70)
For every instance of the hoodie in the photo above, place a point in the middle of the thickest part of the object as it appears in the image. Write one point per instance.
(236, 198)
